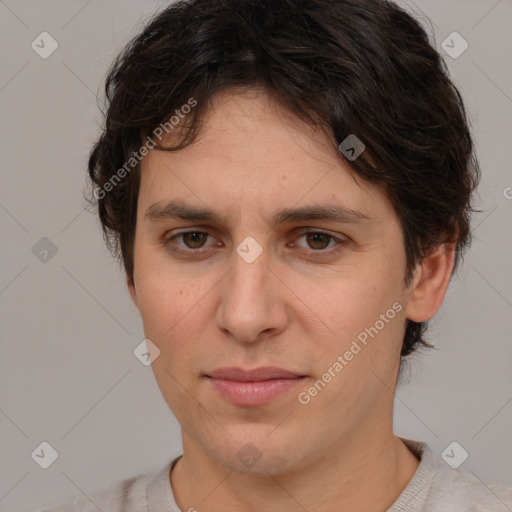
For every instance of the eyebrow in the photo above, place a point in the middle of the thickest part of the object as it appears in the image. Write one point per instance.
(179, 210)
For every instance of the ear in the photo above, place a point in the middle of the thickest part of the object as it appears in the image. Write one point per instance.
(430, 283)
(133, 293)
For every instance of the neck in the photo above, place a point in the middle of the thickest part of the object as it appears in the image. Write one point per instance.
(363, 472)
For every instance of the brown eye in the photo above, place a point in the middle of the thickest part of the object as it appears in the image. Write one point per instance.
(318, 241)
(190, 243)
(319, 244)
(194, 239)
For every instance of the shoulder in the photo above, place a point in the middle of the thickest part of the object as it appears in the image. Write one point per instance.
(129, 495)
(436, 487)
(458, 490)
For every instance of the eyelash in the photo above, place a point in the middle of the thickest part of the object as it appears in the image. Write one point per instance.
(314, 253)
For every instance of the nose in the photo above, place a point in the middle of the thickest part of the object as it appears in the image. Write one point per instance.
(252, 305)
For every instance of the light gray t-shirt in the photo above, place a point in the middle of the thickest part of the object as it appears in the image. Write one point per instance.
(435, 487)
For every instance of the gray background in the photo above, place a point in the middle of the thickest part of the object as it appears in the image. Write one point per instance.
(68, 375)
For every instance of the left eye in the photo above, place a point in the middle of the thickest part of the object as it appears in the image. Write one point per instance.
(318, 240)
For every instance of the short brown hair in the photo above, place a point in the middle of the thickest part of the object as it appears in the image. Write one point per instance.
(362, 67)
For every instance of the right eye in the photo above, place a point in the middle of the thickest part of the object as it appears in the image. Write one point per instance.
(192, 240)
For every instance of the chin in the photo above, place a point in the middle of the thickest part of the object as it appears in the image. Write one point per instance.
(258, 453)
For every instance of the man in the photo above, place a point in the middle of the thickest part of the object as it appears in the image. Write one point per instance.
(288, 184)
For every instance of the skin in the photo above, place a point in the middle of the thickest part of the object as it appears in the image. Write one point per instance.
(210, 308)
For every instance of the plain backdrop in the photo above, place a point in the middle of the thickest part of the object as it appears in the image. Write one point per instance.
(68, 375)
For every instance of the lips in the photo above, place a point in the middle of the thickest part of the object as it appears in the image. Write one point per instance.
(256, 375)
(250, 388)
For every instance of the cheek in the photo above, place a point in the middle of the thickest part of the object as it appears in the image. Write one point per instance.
(356, 360)
(166, 309)
(169, 306)
(361, 315)
(356, 300)
(164, 294)
(174, 307)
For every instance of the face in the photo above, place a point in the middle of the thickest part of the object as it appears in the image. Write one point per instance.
(248, 283)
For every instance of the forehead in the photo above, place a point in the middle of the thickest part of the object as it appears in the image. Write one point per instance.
(253, 154)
